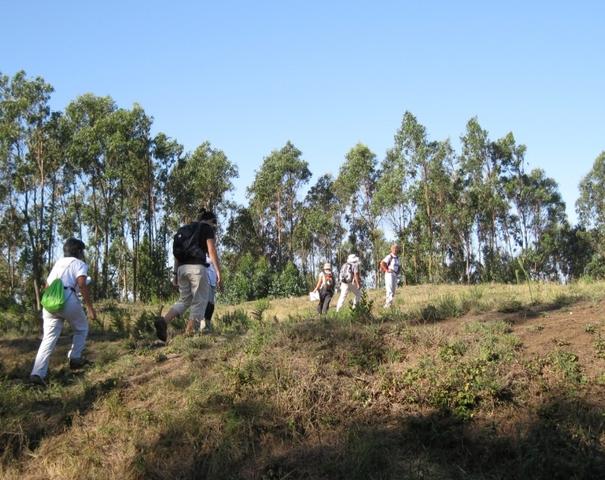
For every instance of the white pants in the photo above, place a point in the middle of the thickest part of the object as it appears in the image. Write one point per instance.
(344, 290)
(53, 324)
(390, 283)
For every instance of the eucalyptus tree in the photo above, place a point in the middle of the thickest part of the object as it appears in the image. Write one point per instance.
(197, 181)
(415, 190)
(273, 200)
(590, 207)
(94, 154)
(355, 187)
(320, 231)
(542, 219)
(483, 165)
(29, 164)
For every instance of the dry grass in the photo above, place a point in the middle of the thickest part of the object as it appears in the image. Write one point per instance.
(454, 382)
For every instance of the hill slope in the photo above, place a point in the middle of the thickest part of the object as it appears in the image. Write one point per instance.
(456, 382)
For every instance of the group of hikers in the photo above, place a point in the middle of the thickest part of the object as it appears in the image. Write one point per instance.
(350, 280)
(196, 273)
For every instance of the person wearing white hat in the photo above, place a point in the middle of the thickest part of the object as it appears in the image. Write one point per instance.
(325, 286)
(350, 280)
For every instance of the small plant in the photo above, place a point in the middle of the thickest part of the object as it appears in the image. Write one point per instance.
(510, 305)
(143, 326)
(567, 363)
(362, 312)
(590, 328)
(119, 318)
(451, 351)
(599, 346)
(236, 322)
(260, 307)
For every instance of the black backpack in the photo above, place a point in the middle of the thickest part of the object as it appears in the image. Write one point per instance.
(186, 243)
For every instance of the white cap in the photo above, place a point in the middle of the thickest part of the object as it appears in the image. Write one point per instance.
(352, 258)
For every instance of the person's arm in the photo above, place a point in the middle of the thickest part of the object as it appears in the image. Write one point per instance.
(357, 279)
(92, 315)
(215, 261)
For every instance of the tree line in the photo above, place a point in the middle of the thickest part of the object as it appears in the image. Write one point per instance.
(95, 171)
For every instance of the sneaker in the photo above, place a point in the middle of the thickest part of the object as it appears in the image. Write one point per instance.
(161, 328)
(78, 363)
(37, 380)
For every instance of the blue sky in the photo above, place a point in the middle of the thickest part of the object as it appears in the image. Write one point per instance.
(249, 76)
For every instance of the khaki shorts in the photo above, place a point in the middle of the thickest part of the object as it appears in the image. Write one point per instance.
(194, 291)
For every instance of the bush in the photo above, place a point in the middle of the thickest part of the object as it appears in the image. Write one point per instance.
(288, 283)
(236, 322)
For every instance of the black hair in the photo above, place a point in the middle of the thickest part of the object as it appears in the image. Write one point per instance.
(206, 216)
(73, 248)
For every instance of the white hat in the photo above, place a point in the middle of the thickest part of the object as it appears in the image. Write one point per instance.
(352, 258)
(327, 266)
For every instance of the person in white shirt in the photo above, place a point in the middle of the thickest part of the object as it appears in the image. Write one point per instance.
(350, 280)
(73, 272)
(390, 266)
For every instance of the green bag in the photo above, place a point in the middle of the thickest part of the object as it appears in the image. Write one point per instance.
(53, 298)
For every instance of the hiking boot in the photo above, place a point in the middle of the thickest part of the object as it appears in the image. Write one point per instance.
(161, 328)
(206, 328)
(78, 363)
(37, 380)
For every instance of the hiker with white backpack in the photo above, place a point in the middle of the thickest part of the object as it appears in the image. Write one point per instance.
(69, 274)
(390, 266)
(350, 280)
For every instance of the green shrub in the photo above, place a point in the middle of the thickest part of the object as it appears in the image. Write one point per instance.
(567, 364)
(235, 322)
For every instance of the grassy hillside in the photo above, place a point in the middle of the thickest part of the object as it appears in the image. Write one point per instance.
(482, 382)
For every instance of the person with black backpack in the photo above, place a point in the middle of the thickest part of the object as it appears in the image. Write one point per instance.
(350, 279)
(325, 286)
(192, 244)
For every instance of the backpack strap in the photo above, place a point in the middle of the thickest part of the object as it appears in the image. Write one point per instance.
(73, 289)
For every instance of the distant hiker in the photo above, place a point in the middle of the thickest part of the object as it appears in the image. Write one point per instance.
(71, 271)
(325, 287)
(349, 280)
(390, 266)
(192, 244)
(206, 325)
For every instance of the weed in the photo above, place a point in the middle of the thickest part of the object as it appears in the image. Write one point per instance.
(590, 328)
(452, 350)
(367, 352)
(536, 328)
(143, 327)
(362, 313)
(567, 363)
(261, 336)
(260, 306)
(599, 346)
(564, 299)
(119, 318)
(235, 322)
(510, 305)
